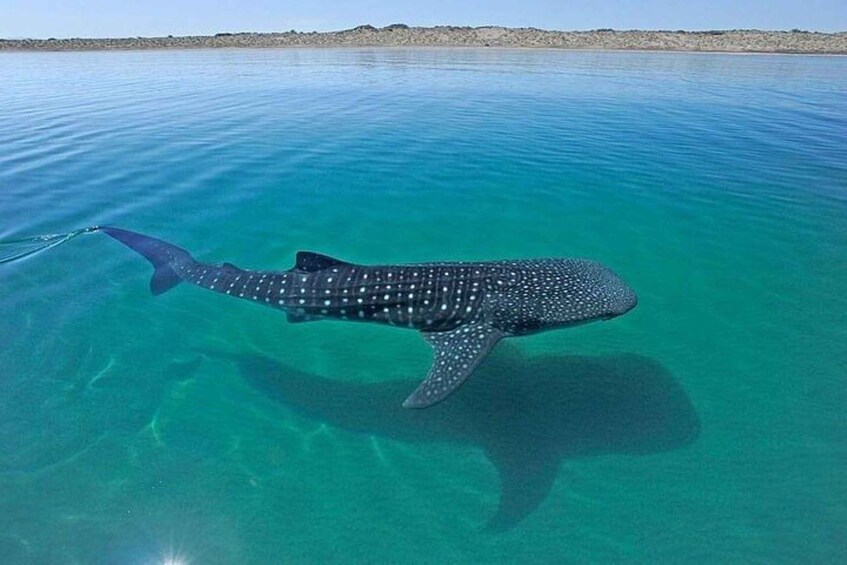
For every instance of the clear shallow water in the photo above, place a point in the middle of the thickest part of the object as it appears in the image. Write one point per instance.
(706, 424)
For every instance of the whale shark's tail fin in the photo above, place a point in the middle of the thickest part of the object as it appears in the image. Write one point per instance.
(168, 260)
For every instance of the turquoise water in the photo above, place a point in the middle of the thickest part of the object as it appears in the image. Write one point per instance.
(708, 424)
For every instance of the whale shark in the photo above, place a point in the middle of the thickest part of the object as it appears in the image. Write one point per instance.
(528, 414)
(462, 309)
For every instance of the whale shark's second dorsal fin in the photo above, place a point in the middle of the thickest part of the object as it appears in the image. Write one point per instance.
(457, 354)
(308, 262)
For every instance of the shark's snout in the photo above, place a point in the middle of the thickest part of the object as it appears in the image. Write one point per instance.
(624, 300)
(630, 302)
(619, 297)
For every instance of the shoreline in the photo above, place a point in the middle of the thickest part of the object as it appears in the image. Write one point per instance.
(399, 35)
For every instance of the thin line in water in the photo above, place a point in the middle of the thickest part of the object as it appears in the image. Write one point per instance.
(15, 250)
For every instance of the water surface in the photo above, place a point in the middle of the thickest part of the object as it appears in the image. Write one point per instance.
(706, 424)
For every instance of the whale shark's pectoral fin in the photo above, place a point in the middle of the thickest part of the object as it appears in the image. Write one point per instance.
(457, 354)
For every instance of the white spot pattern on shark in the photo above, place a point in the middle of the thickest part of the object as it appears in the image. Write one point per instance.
(462, 309)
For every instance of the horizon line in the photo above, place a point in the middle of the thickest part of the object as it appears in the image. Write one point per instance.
(402, 26)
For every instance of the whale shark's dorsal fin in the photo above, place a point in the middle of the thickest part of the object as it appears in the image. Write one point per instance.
(457, 354)
(308, 261)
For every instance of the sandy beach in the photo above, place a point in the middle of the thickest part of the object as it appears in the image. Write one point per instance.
(399, 35)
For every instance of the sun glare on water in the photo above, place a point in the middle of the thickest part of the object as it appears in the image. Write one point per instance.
(172, 558)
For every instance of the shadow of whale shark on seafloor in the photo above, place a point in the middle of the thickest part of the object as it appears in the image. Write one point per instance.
(528, 413)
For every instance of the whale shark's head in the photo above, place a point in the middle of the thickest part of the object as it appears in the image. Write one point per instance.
(616, 298)
(570, 292)
(591, 291)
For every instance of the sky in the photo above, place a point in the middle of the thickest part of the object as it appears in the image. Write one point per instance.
(126, 18)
